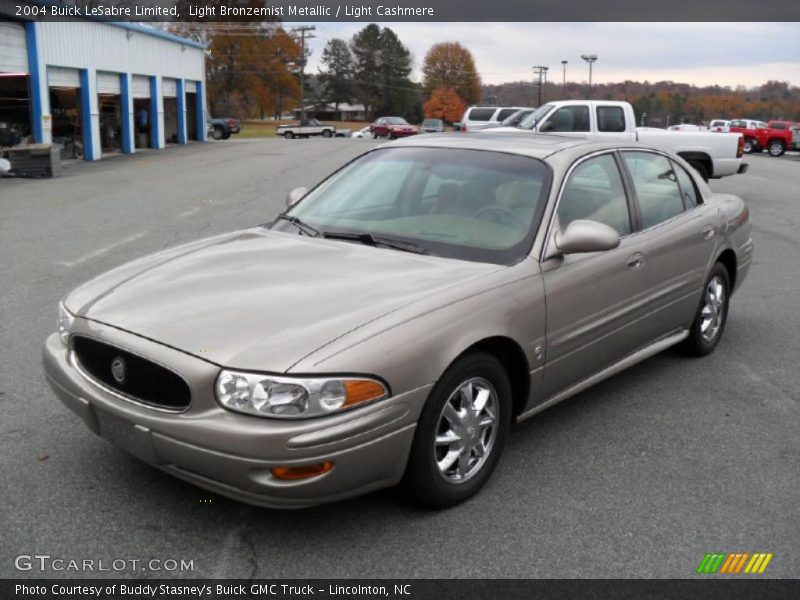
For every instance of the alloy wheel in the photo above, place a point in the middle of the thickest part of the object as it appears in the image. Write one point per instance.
(712, 314)
(466, 431)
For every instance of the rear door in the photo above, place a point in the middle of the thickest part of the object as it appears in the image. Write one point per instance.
(594, 299)
(572, 119)
(678, 237)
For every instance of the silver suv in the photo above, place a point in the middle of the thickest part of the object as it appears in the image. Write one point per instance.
(480, 117)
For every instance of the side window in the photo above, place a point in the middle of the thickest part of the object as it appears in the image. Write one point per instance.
(691, 197)
(656, 186)
(595, 192)
(504, 114)
(568, 118)
(610, 119)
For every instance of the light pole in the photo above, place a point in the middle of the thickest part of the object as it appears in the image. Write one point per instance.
(589, 58)
(564, 77)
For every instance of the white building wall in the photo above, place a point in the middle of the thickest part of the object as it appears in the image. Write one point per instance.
(106, 47)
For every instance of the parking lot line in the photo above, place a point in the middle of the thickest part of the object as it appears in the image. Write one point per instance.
(104, 250)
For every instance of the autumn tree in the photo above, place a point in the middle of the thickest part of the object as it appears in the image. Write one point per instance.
(444, 104)
(337, 75)
(451, 65)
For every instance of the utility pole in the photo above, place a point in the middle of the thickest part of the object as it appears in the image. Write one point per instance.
(564, 78)
(540, 71)
(304, 35)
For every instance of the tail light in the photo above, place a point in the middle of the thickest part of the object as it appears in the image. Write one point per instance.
(740, 147)
(463, 128)
(231, 122)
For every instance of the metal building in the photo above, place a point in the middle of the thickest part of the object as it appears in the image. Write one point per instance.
(99, 87)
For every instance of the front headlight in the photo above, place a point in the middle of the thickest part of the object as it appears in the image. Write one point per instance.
(65, 320)
(294, 398)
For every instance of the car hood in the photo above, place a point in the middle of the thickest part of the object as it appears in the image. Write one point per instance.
(263, 300)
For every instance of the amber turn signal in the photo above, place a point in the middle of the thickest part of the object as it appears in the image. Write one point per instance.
(362, 390)
(303, 472)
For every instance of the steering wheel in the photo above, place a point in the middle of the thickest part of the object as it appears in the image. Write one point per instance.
(499, 215)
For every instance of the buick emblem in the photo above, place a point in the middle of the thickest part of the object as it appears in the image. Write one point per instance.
(118, 369)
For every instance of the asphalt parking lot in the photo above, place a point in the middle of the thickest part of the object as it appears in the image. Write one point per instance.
(638, 477)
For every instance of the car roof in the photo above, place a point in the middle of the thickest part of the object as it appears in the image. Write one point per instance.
(535, 145)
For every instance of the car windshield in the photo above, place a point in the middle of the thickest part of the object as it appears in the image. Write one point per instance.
(466, 204)
(516, 118)
(532, 119)
(395, 121)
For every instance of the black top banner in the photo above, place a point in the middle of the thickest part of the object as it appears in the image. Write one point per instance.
(402, 11)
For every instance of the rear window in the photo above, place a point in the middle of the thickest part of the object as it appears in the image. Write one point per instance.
(505, 113)
(778, 125)
(610, 118)
(742, 124)
(480, 114)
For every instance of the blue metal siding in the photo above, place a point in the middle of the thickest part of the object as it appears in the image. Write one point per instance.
(154, 111)
(86, 117)
(35, 80)
(127, 122)
(201, 112)
(181, 93)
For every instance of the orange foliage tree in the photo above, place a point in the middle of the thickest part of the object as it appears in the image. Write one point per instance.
(444, 104)
(449, 64)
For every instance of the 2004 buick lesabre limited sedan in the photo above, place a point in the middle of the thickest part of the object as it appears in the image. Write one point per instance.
(394, 321)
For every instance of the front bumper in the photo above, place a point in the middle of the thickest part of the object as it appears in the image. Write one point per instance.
(233, 454)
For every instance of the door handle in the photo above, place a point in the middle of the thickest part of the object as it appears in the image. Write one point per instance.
(708, 232)
(636, 261)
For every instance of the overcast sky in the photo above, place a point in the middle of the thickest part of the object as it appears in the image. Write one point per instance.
(700, 53)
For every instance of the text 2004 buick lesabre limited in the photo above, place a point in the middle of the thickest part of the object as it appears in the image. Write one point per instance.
(391, 324)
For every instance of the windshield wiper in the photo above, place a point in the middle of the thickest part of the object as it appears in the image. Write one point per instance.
(301, 225)
(376, 240)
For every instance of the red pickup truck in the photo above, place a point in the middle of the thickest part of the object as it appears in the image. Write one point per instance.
(749, 130)
(779, 136)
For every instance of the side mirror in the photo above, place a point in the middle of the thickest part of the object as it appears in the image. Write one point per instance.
(586, 236)
(295, 196)
(545, 127)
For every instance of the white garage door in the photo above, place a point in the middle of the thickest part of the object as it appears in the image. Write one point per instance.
(140, 86)
(108, 83)
(62, 77)
(169, 88)
(13, 49)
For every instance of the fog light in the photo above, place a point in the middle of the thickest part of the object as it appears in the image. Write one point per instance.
(303, 472)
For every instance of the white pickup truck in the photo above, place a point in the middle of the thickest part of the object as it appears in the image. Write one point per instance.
(713, 155)
(311, 127)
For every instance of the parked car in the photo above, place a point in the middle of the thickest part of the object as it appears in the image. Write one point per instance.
(363, 133)
(748, 128)
(306, 128)
(517, 117)
(223, 127)
(481, 117)
(392, 127)
(393, 322)
(720, 125)
(686, 127)
(433, 126)
(778, 137)
(713, 155)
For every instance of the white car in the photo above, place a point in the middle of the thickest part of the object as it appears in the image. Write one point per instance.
(481, 117)
(713, 155)
(720, 125)
(363, 133)
(686, 127)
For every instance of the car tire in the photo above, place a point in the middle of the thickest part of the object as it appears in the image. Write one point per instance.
(749, 146)
(701, 169)
(712, 314)
(483, 430)
(288, 135)
(327, 133)
(217, 135)
(776, 148)
(392, 136)
(226, 135)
